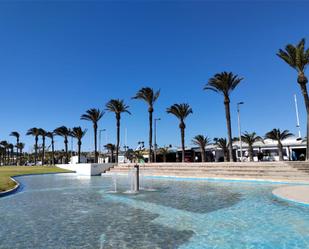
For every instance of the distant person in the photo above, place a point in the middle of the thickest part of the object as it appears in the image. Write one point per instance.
(302, 157)
(260, 156)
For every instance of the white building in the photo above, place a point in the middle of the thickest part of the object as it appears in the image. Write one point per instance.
(293, 149)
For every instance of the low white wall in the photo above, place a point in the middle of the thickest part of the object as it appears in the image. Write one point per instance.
(88, 169)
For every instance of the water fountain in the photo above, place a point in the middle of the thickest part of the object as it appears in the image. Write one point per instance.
(150, 184)
(133, 177)
(134, 182)
(114, 183)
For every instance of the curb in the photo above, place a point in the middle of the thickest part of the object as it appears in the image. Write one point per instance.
(18, 185)
(298, 203)
(12, 190)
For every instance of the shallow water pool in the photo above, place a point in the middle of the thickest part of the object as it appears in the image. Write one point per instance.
(65, 211)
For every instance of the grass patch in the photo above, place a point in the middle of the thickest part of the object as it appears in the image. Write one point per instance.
(7, 171)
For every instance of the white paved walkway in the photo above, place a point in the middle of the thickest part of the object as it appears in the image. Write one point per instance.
(294, 193)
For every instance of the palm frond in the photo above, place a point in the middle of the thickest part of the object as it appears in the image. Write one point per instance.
(148, 95)
(181, 111)
(224, 83)
(295, 56)
(201, 141)
(15, 134)
(78, 132)
(93, 115)
(117, 106)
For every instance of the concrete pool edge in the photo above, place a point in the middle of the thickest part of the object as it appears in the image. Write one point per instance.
(18, 185)
(228, 179)
(12, 190)
(294, 194)
(248, 180)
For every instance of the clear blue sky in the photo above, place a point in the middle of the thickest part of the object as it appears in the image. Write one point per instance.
(58, 59)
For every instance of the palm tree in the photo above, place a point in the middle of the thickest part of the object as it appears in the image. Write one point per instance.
(93, 115)
(78, 133)
(278, 136)
(181, 111)
(34, 132)
(16, 135)
(111, 148)
(149, 96)
(2, 152)
(223, 144)
(164, 151)
(4, 144)
(43, 135)
(250, 139)
(20, 147)
(117, 106)
(65, 133)
(202, 142)
(11, 153)
(225, 83)
(298, 58)
(134, 155)
(50, 134)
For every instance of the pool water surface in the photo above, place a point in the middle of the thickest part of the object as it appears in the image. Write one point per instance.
(65, 211)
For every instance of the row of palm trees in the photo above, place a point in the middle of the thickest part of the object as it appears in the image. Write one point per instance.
(296, 56)
(223, 83)
(248, 138)
(7, 149)
(93, 115)
(63, 131)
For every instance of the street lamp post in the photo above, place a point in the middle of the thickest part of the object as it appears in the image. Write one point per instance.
(155, 138)
(239, 128)
(297, 118)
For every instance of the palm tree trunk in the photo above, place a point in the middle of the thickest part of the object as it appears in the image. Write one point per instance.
(225, 155)
(280, 149)
(79, 147)
(150, 136)
(21, 154)
(53, 152)
(95, 129)
(182, 130)
(229, 128)
(112, 155)
(306, 99)
(43, 152)
(164, 158)
(251, 153)
(15, 160)
(11, 156)
(17, 157)
(66, 150)
(203, 155)
(36, 150)
(118, 139)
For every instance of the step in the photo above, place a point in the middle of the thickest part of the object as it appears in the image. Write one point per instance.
(220, 173)
(299, 178)
(292, 171)
(217, 169)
